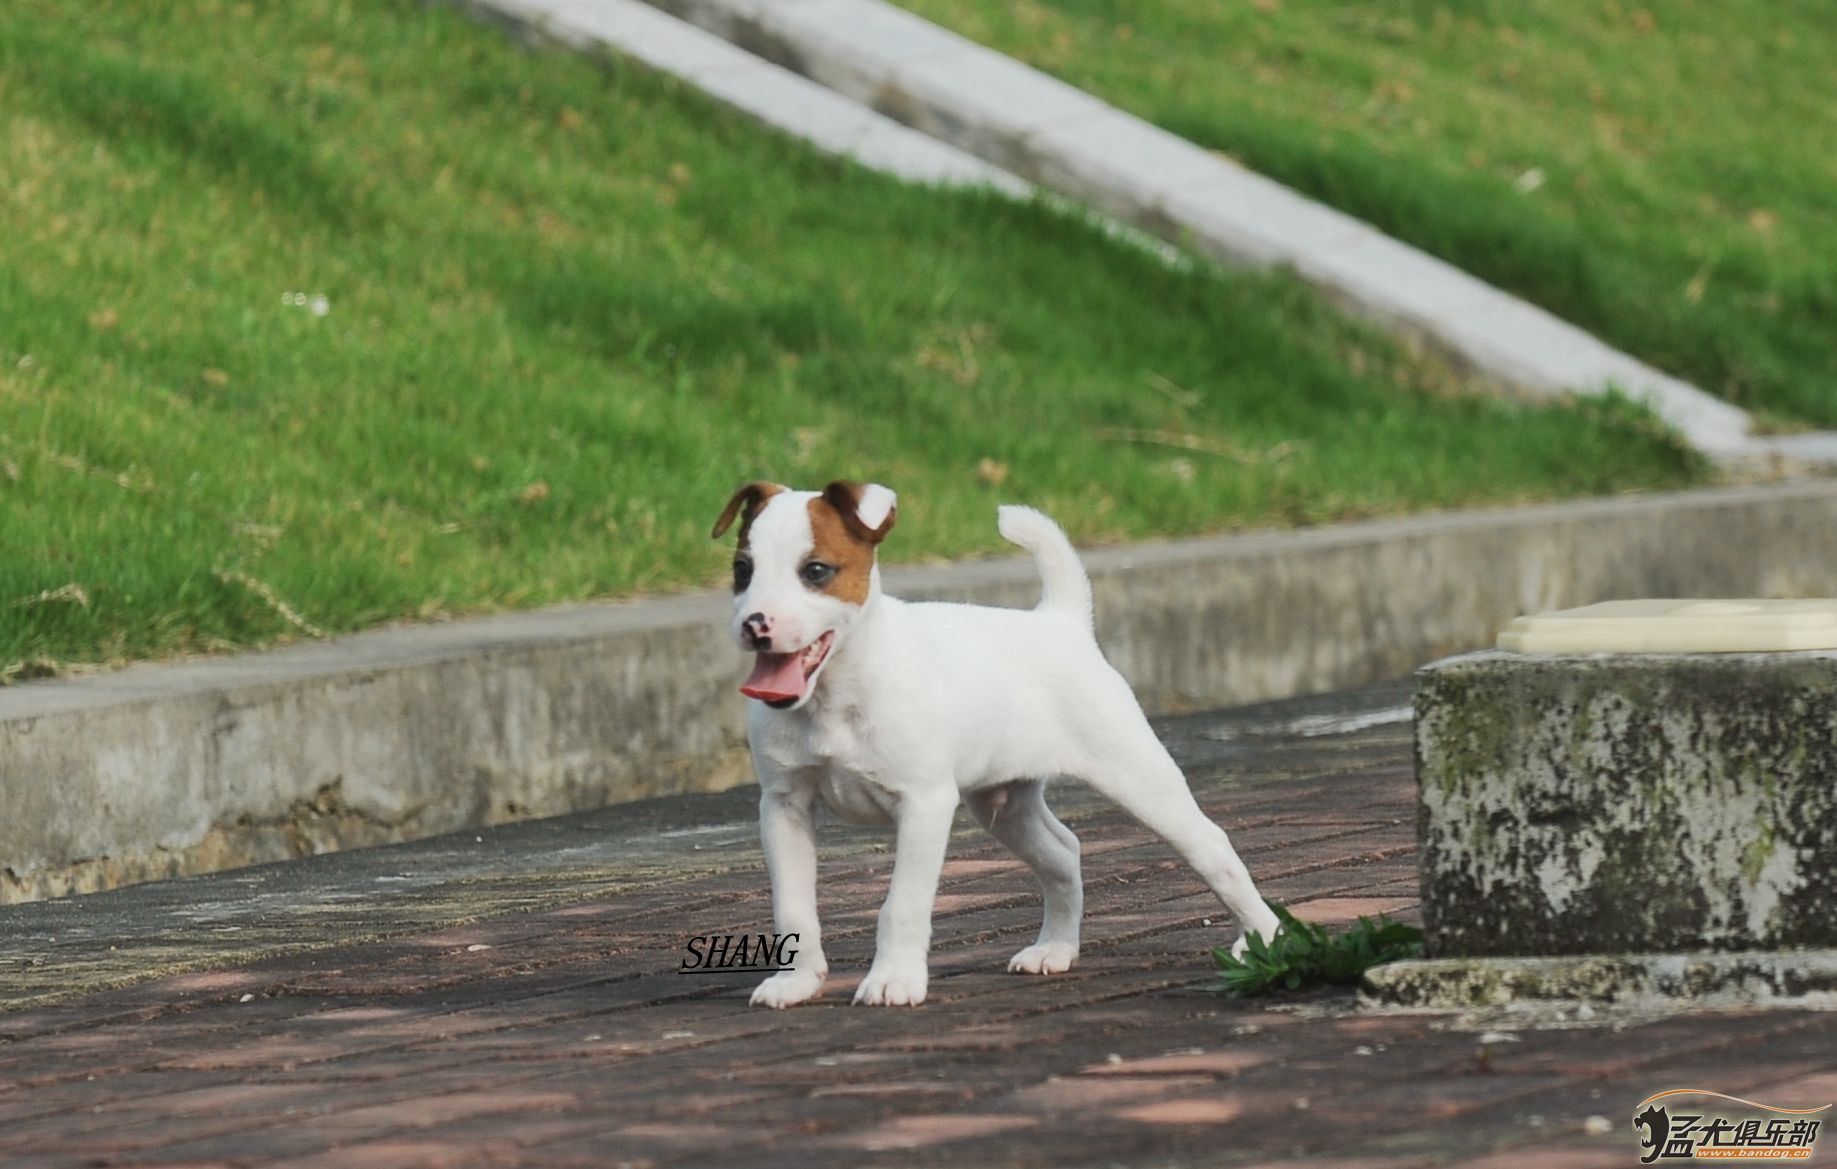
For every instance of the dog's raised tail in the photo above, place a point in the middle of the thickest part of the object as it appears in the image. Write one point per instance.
(1064, 587)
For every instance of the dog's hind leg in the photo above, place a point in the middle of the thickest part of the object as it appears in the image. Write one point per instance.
(1016, 814)
(1140, 776)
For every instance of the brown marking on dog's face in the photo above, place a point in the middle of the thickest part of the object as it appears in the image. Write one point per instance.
(839, 539)
(746, 503)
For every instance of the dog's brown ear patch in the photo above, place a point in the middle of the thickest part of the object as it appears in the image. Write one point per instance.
(850, 500)
(745, 504)
(839, 539)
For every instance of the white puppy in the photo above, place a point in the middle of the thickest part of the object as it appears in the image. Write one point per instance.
(893, 712)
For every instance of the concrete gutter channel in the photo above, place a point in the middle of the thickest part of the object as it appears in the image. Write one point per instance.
(165, 770)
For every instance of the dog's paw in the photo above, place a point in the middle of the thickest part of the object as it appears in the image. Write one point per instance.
(889, 986)
(787, 988)
(1242, 946)
(1044, 958)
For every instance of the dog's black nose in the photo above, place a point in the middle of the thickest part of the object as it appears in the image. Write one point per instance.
(757, 632)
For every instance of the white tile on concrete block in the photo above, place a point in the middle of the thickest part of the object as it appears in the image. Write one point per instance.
(1652, 625)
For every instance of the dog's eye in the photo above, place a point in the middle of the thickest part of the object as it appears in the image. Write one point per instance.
(816, 574)
(743, 575)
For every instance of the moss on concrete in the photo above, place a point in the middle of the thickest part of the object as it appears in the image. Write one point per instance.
(1766, 978)
(1607, 804)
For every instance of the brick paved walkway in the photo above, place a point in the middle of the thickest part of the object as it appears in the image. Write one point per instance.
(560, 1035)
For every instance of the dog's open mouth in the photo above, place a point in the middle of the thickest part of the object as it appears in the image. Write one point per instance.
(780, 679)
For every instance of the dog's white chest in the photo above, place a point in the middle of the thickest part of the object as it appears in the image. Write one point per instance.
(845, 760)
(838, 755)
(856, 800)
(836, 742)
(796, 745)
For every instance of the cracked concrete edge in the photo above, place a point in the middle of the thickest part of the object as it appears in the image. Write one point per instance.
(1802, 979)
(397, 734)
(1045, 131)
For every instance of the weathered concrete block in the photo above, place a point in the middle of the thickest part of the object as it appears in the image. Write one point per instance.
(1611, 804)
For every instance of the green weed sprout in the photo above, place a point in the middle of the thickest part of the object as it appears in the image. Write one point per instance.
(1305, 955)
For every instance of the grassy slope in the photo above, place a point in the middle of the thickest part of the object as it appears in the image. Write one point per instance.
(569, 309)
(1687, 150)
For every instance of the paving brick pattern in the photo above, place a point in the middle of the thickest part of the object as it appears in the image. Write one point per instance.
(563, 1036)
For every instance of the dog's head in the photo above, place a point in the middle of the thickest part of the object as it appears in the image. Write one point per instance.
(803, 574)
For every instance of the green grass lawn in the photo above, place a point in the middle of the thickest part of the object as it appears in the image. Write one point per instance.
(1663, 174)
(565, 311)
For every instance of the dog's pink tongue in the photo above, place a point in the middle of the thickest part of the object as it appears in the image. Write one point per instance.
(775, 678)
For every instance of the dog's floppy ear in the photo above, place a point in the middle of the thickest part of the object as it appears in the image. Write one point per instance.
(745, 503)
(867, 511)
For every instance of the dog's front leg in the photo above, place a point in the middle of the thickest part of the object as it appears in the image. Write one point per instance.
(898, 975)
(787, 831)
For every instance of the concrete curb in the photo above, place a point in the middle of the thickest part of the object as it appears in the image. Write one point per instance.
(58, 948)
(778, 97)
(773, 95)
(1045, 131)
(163, 770)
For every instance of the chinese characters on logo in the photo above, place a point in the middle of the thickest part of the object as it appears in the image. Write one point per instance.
(1701, 1135)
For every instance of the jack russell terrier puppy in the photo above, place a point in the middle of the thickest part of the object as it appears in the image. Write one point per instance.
(892, 712)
